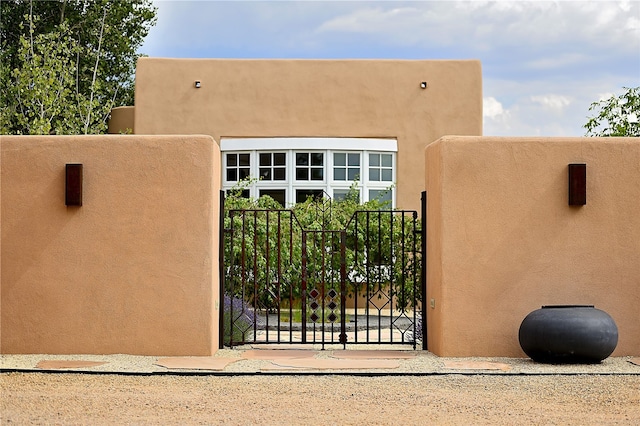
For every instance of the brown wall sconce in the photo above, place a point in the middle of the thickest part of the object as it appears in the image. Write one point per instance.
(73, 185)
(577, 184)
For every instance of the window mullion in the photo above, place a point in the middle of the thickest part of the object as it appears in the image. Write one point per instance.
(291, 168)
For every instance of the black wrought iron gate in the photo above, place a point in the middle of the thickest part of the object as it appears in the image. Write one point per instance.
(287, 282)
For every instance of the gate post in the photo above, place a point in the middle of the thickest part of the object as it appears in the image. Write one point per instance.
(423, 271)
(303, 298)
(221, 280)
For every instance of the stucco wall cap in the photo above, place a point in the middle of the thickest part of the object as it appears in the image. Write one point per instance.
(305, 60)
(114, 138)
(535, 139)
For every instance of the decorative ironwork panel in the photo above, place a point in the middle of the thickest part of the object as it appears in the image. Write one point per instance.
(385, 276)
(282, 283)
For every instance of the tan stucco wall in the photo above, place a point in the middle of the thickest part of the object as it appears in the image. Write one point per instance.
(321, 98)
(503, 240)
(134, 269)
(121, 120)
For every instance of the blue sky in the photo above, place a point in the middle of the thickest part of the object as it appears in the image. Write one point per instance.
(543, 62)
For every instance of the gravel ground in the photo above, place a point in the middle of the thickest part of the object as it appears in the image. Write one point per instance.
(42, 398)
(422, 390)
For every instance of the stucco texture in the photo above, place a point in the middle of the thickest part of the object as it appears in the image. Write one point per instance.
(134, 269)
(503, 240)
(315, 98)
(121, 120)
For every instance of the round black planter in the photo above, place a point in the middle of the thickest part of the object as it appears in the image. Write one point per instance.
(564, 334)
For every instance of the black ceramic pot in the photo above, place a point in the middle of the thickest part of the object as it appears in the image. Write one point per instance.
(564, 334)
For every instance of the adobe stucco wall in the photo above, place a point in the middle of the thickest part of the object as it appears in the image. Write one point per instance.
(122, 120)
(134, 269)
(503, 240)
(315, 98)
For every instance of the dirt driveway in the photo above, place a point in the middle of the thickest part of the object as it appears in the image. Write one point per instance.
(41, 398)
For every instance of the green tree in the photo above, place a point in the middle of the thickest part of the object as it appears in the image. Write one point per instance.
(100, 40)
(616, 116)
(41, 89)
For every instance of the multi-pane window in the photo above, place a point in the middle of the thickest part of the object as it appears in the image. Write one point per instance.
(341, 194)
(293, 175)
(309, 166)
(303, 194)
(273, 166)
(380, 194)
(381, 167)
(280, 195)
(238, 166)
(346, 166)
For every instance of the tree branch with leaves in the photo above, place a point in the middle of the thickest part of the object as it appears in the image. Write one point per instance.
(90, 47)
(616, 115)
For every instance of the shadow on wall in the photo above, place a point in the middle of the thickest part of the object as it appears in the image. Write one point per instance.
(48, 200)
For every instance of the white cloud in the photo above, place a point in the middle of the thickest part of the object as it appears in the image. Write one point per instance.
(371, 20)
(491, 108)
(603, 96)
(495, 24)
(560, 60)
(554, 102)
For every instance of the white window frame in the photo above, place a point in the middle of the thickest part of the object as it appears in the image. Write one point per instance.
(272, 167)
(327, 146)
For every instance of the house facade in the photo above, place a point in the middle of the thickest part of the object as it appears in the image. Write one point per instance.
(134, 268)
(302, 128)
